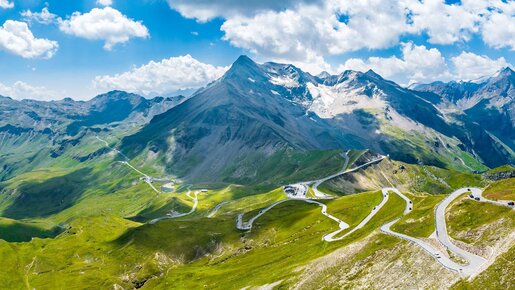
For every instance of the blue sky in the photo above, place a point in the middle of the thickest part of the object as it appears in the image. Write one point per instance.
(81, 58)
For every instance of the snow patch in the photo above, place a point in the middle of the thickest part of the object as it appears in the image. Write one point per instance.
(329, 101)
(285, 81)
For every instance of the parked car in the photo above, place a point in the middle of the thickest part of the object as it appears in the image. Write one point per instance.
(511, 203)
(477, 198)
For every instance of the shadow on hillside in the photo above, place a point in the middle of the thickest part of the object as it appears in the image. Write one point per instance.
(20, 232)
(182, 239)
(40, 199)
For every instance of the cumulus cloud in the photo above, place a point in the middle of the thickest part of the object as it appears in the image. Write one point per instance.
(204, 10)
(6, 4)
(162, 77)
(313, 31)
(303, 31)
(444, 23)
(21, 90)
(498, 30)
(43, 17)
(417, 64)
(106, 24)
(105, 2)
(16, 38)
(470, 66)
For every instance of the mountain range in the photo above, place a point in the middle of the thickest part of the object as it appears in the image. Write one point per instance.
(230, 129)
(268, 177)
(258, 111)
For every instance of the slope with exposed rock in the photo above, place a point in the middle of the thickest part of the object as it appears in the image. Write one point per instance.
(260, 112)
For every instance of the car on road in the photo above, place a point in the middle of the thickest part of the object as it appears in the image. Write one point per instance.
(477, 198)
(511, 203)
(471, 195)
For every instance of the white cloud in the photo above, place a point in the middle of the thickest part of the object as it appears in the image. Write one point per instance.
(205, 10)
(469, 66)
(21, 90)
(162, 77)
(304, 31)
(16, 37)
(43, 17)
(6, 4)
(106, 24)
(417, 64)
(498, 30)
(105, 2)
(312, 31)
(445, 24)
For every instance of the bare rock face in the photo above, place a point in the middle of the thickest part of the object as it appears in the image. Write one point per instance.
(499, 175)
(403, 266)
(256, 110)
(489, 101)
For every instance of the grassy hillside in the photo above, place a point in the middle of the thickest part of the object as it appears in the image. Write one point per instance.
(19, 231)
(84, 225)
(479, 223)
(406, 177)
(108, 250)
(497, 276)
(420, 222)
(501, 190)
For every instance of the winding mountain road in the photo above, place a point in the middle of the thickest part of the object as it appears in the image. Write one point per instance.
(434, 252)
(178, 215)
(316, 183)
(146, 178)
(114, 149)
(247, 226)
(215, 209)
(475, 263)
(241, 225)
(343, 225)
(319, 194)
(331, 237)
(478, 193)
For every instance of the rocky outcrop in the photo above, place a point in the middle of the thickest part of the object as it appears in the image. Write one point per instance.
(499, 175)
